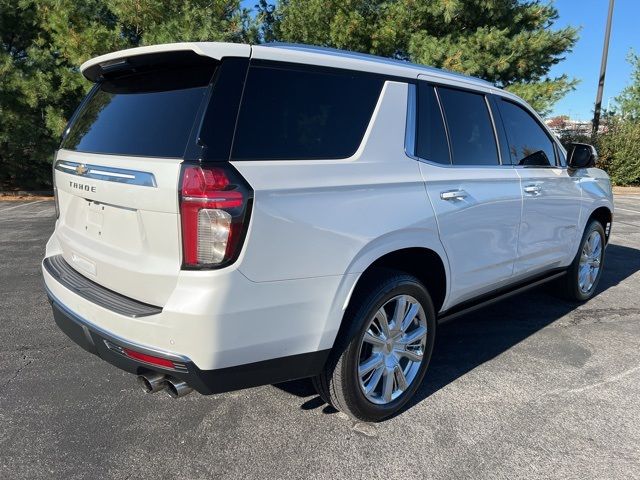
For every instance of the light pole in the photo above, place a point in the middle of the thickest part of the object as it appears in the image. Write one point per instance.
(603, 71)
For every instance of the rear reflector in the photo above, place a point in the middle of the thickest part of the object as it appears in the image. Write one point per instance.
(213, 208)
(150, 359)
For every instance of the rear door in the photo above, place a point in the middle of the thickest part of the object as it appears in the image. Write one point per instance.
(118, 169)
(551, 197)
(477, 200)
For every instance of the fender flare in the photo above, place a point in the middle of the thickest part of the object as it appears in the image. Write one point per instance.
(391, 242)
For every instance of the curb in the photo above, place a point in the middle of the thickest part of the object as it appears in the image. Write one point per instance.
(626, 190)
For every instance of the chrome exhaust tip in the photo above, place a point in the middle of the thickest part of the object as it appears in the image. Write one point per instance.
(177, 388)
(152, 382)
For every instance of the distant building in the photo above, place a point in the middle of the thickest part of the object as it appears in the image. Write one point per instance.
(563, 127)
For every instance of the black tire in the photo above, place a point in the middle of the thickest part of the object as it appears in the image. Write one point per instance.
(569, 285)
(339, 382)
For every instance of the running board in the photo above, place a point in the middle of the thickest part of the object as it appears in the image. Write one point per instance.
(486, 300)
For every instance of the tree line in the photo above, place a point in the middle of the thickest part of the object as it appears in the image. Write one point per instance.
(618, 143)
(512, 43)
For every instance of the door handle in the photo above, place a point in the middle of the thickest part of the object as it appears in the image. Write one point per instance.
(532, 189)
(453, 195)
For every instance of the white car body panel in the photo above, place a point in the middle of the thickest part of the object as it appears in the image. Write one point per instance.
(124, 237)
(315, 227)
(220, 318)
(597, 192)
(489, 216)
(550, 219)
(375, 185)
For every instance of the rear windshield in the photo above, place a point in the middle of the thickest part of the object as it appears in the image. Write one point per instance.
(143, 114)
(291, 113)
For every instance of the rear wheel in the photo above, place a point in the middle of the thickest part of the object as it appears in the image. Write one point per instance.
(381, 360)
(583, 275)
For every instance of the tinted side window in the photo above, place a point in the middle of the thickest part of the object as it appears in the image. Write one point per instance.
(470, 130)
(288, 113)
(148, 114)
(529, 144)
(431, 137)
(216, 134)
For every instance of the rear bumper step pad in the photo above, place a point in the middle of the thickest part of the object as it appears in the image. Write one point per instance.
(64, 274)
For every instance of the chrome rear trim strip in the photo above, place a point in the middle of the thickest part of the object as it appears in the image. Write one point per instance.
(108, 174)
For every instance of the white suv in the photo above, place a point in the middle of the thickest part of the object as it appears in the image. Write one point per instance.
(235, 215)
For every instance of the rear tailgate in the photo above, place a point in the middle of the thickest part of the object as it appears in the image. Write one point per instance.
(124, 236)
(117, 172)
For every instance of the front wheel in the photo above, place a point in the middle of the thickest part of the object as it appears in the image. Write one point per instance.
(583, 275)
(382, 358)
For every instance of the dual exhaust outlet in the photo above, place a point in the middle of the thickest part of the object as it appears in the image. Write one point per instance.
(154, 382)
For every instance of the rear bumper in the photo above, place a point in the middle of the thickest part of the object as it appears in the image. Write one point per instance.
(108, 347)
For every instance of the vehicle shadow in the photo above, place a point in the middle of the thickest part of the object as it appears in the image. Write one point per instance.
(467, 342)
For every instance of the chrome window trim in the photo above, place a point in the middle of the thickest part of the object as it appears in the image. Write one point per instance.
(557, 167)
(108, 174)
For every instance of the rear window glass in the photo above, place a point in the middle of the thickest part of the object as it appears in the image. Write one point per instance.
(293, 113)
(149, 114)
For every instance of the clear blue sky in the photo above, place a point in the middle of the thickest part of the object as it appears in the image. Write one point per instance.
(583, 62)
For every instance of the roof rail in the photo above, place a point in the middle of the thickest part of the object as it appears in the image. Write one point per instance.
(377, 59)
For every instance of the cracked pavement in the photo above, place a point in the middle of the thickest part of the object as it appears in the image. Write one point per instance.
(532, 387)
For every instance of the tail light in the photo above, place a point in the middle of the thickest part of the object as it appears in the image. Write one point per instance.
(214, 209)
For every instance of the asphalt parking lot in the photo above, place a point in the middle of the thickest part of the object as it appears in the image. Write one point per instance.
(533, 387)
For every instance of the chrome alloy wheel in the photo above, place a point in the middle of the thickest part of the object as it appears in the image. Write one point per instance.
(392, 349)
(590, 261)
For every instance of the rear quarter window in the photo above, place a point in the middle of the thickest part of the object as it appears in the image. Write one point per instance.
(296, 113)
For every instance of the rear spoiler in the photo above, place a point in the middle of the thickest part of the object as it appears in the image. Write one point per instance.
(96, 68)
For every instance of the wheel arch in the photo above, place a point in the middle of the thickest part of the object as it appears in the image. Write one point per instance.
(423, 263)
(605, 217)
(429, 265)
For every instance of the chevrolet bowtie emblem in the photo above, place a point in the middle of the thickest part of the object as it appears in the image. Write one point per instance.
(81, 169)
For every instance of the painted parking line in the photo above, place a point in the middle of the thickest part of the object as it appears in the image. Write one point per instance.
(21, 205)
(627, 210)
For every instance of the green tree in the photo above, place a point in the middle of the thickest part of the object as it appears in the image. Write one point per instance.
(42, 44)
(619, 145)
(22, 115)
(628, 102)
(508, 42)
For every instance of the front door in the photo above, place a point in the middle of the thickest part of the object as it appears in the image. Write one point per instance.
(550, 215)
(551, 197)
